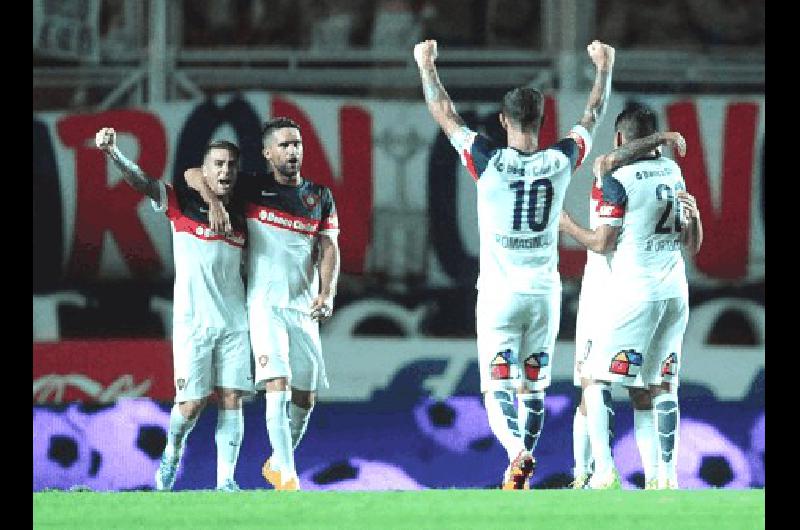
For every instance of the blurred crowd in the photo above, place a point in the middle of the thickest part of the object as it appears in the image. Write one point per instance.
(388, 24)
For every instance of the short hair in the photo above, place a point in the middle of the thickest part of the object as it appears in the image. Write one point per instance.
(222, 144)
(524, 106)
(636, 121)
(274, 124)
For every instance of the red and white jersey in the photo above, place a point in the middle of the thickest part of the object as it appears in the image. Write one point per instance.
(597, 270)
(520, 196)
(641, 198)
(209, 291)
(283, 225)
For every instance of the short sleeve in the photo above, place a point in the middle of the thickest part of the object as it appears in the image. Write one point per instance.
(576, 145)
(611, 208)
(475, 150)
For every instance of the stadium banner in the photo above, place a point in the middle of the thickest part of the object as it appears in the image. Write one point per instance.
(103, 371)
(406, 205)
(100, 371)
(400, 413)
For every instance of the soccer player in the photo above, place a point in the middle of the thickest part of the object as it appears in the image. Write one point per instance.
(591, 304)
(292, 271)
(521, 190)
(209, 338)
(646, 219)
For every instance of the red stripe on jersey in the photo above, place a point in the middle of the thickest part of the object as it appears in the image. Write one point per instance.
(610, 211)
(270, 216)
(200, 231)
(597, 193)
(470, 165)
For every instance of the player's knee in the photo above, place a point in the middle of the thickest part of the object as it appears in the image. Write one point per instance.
(304, 398)
(640, 398)
(191, 409)
(663, 388)
(230, 398)
(277, 384)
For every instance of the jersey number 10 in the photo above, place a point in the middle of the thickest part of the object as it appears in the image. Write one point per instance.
(540, 199)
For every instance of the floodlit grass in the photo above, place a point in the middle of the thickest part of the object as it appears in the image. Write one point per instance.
(415, 510)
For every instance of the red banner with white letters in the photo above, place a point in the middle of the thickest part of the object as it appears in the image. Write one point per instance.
(399, 188)
(102, 371)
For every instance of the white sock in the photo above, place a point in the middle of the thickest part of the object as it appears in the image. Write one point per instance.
(503, 421)
(298, 421)
(597, 422)
(228, 436)
(280, 436)
(645, 432)
(530, 418)
(179, 429)
(581, 449)
(667, 423)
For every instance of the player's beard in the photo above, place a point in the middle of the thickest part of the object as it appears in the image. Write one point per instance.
(289, 170)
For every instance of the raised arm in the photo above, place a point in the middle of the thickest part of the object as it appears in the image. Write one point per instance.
(630, 151)
(439, 103)
(602, 56)
(218, 218)
(692, 232)
(106, 140)
(602, 240)
(322, 305)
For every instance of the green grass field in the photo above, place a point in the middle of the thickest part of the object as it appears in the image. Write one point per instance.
(415, 510)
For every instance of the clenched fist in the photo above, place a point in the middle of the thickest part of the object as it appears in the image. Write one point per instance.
(106, 139)
(602, 55)
(425, 53)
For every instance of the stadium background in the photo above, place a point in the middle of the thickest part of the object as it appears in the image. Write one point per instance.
(403, 408)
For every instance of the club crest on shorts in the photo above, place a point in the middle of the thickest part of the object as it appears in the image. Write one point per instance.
(501, 365)
(262, 360)
(626, 362)
(534, 364)
(670, 366)
(180, 383)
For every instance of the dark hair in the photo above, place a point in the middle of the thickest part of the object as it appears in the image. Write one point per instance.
(222, 144)
(274, 124)
(525, 107)
(636, 121)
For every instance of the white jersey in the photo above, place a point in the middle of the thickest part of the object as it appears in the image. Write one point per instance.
(520, 196)
(208, 292)
(283, 225)
(641, 198)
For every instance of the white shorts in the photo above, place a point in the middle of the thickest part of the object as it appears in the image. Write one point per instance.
(207, 358)
(516, 339)
(590, 306)
(286, 344)
(641, 344)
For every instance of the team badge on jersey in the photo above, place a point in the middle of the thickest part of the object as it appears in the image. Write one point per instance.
(311, 200)
(626, 362)
(534, 364)
(181, 384)
(501, 365)
(262, 360)
(670, 366)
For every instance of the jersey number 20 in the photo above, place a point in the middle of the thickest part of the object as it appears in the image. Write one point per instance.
(664, 193)
(540, 199)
